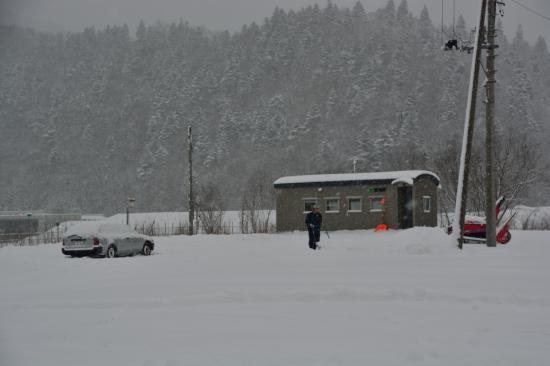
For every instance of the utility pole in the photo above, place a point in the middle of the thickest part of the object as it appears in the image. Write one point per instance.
(464, 170)
(191, 198)
(490, 183)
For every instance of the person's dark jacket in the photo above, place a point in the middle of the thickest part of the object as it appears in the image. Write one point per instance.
(314, 220)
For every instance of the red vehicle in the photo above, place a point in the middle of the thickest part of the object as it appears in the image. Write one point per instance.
(475, 230)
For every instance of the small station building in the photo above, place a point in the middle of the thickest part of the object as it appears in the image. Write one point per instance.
(400, 199)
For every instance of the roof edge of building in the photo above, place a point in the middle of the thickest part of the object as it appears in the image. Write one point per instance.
(319, 180)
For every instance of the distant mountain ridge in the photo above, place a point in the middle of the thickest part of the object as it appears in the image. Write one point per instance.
(89, 118)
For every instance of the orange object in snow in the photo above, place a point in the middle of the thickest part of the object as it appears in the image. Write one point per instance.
(381, 227)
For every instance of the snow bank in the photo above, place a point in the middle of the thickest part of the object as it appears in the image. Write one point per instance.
(170, 218)
(531, 217)
(392, 298)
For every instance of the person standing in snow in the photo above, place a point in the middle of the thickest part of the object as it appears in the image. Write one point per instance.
(314, 219)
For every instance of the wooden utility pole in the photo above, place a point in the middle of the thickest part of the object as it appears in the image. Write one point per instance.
(490, 183)
(464, 170)
(191, 198)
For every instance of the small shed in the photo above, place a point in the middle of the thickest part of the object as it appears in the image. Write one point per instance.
(400, 199)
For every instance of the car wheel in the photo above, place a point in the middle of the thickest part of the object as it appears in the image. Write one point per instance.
(146, 249)
(111, 251)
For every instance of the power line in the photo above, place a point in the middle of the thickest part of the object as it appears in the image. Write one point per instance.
(442, 21)
(454, 18)
(531, 10)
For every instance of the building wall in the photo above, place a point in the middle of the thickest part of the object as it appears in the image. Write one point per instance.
(424, 186)
(291, 215)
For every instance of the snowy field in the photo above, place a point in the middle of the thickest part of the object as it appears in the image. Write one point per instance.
(397, 298)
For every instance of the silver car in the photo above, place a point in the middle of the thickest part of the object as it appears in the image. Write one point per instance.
(101, 239)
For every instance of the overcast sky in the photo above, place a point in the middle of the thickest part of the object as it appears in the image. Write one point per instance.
(75, 15)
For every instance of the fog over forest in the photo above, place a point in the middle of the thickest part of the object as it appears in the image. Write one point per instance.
(88, 118)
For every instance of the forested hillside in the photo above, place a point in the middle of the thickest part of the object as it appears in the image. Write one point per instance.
(88, 118)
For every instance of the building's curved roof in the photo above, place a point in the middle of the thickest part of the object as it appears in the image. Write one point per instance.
(353, 178)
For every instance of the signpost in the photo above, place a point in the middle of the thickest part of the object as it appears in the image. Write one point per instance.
(130, 202)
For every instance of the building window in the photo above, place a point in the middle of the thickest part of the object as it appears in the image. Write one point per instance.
(332, 205)
(427, 203)
(309, 204)
(377, 203)
(355, 204)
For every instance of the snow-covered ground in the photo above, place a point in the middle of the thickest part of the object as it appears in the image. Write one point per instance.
(396, 298)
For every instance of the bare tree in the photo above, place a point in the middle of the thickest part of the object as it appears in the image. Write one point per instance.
(519, 165)
(210, 209)
(257, 204)
(445, 164)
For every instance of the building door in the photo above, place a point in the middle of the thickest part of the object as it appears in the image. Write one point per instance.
(405, 207)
